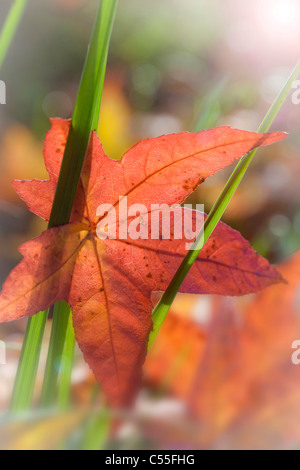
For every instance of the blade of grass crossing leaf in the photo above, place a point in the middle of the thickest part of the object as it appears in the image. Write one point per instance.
(107, 19)
(95, 67)
(83, 122)
(162, 308)
(106, 22)
(10, 27)
(85, 116)
(85, 119)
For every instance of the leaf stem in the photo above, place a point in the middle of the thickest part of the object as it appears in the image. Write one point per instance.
(162, 308)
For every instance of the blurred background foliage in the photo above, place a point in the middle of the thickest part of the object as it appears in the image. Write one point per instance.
(173, 66)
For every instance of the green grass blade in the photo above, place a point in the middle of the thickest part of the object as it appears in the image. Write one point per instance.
(85, 116)
(28, 364)
(66, 368)
(103, 32)
(89, 98)
(162, 308)
(98, 55)
(56, 346)
(10, 27)
(83, 122)
(85, 119)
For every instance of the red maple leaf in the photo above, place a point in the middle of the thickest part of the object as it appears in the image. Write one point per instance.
(108, 283)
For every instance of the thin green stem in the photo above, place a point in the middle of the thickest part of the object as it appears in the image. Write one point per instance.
(162, 308)
(10, 27)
